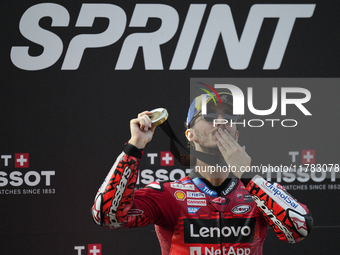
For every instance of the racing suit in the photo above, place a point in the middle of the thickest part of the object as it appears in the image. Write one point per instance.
(193, 217)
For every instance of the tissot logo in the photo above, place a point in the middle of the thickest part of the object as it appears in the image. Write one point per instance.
(21, 160)
(210, 231)
(15, 173)
(166, 158)
(308, 156)
(92, 249)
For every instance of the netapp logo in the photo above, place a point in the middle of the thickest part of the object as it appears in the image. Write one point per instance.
(209, 231)
(220, 24)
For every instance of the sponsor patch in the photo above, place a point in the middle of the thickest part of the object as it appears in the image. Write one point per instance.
(224, 251)
(167, 159)
(240, 209)
(204, 188)
(181, 186)
(219, 203)
(198, 202)
(247, 198)
(281, 197)
(220, 200)
(206, 231)
(180, 195)
(193, 210)
(231, 186)
(242, 196)
(195, 194)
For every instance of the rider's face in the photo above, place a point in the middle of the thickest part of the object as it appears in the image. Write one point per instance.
(203, 132)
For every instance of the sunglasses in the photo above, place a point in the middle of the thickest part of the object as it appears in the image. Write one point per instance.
(211, 116)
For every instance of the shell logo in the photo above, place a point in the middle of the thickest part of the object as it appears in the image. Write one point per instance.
(180, 195)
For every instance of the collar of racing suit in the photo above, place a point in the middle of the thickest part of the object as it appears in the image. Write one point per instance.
(205, 186)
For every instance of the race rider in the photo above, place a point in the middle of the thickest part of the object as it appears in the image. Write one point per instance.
(207, 212)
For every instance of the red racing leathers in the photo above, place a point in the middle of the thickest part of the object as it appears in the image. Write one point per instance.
(193, 217)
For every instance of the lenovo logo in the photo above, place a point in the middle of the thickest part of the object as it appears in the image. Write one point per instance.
(219, 230)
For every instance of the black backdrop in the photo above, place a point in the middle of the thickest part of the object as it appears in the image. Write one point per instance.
(71, 124)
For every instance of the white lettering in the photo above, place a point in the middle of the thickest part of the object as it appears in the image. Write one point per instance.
(192, 231)
(220, 24)
(161, 175)
(5, 158)
(176, 171)
(31, 178)
(79, 249)
(188, 36)
(30, 29)
(302, 175)
(27, 178)
(291, 120)
(255, 120)
(146, 174)
(87, 15)
(204, 232)
(297, 101)
(226, 231)
(195, 250)
(120, 188)
(48, 176)
(293, 154)
(239, 50)
(150, 42)
(152, 157)
(262, 112)
(16, 180)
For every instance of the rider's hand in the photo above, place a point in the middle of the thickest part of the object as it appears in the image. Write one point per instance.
(141, 130)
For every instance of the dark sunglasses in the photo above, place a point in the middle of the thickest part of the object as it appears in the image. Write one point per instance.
(211, 116)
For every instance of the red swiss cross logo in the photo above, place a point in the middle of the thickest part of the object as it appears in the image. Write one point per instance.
(21, 160)
(308, 156)
(167, 159)
(94, 249)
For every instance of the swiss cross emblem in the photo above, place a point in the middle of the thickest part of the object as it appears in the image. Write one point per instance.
(95, 249)
(167, 159)
(308, 156)
(21, 160)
